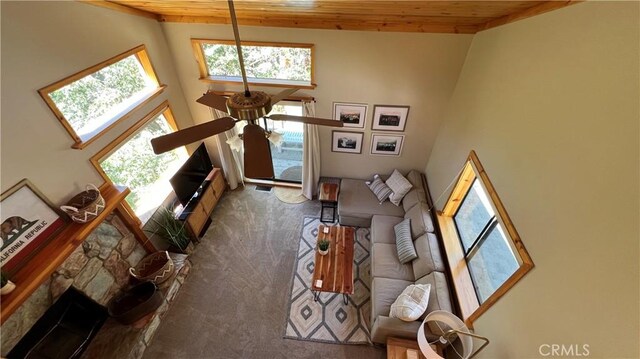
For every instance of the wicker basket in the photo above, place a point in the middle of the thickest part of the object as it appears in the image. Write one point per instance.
(156, 267)
(85, 206)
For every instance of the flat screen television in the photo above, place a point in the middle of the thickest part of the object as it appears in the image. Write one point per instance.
(190, 176)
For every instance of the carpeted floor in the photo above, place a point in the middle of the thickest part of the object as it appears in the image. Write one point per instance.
(234, 303)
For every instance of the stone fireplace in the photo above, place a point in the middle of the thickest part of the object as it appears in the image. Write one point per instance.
(98, 269)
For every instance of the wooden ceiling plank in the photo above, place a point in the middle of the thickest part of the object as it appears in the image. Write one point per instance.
(374, 15)
(122, 8)
(532, 11)
(357, 8)
(378, 19)
(334, 25)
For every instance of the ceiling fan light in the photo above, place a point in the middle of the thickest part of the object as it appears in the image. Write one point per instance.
(276, 139)
(235, 143)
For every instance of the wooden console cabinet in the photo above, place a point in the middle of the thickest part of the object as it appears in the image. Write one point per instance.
(199, 210)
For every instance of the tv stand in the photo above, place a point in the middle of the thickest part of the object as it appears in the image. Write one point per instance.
(197, 213)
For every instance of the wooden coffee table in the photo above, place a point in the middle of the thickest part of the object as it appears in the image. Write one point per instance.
(333, 272)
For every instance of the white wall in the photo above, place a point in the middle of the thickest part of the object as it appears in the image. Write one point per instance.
(419, 70)
(551, 105)
(43, 42)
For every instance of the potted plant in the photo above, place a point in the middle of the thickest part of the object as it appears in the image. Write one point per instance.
(172, 230)
(6, 286)
(323, 246)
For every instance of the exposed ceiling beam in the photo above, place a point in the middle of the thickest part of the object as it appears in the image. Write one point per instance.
(122, 8)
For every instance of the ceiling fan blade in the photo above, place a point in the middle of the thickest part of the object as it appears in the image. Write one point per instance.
(192, 134)
(309, 120)
(212, 100)
(282, 95)
(257, 154)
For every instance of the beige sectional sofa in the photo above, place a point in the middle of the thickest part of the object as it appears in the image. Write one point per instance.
(358, 207)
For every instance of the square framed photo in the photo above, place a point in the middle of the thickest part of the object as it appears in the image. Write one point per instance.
(389, 118)
(347, 142)
(386, 145)
(351, 114)
(29, 221)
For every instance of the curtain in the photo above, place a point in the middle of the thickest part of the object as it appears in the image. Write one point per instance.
(232, 161)
(310, 153)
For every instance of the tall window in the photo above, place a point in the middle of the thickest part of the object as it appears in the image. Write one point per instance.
(91, 101)
(130, 161)
(488, 250)
(277, 64)
(480, 239)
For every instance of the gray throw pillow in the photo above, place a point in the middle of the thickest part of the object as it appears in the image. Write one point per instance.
(379, 189)
(399, 186)
(404, 242)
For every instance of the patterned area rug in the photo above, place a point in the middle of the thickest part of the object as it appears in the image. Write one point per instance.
(329, 319)
(289, 195)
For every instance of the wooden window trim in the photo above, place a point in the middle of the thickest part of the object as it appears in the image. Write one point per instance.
(196, 44)
(141, 54)
(163, 109)
(470, 308)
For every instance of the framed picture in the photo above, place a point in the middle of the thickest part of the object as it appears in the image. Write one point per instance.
(351, 114)
(388, 145)
(389, 118)
(29, 220)
(348, 142)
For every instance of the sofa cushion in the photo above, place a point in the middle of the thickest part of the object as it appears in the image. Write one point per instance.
(420, 220)
(404, 242)
(357, 202)
(382, 228)
(379, 188)
(399, 185)
(385, 291)
(429, 255)
(385, 327)
(411, 303)
(413, 197)
(385, 263)
(415, 178)
(439, 298)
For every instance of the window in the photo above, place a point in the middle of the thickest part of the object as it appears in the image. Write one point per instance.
(269, 64)
(91, 101)
(129, 161)
(480, 240)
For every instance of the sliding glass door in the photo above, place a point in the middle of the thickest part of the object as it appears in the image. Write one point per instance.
(287, 157)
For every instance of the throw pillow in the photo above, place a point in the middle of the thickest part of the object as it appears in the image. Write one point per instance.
(411, 303)
(379, 188)
(404, 242)
(399, 185)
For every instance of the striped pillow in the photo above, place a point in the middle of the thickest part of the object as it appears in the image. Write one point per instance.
(379, 188)
(404, 242)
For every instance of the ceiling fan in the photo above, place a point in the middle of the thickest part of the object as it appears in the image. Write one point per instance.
(247, 106)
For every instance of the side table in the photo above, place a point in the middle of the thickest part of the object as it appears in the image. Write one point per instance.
(405, 348)
(328, 197)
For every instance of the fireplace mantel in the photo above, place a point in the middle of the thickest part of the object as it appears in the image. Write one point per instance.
(47, 260)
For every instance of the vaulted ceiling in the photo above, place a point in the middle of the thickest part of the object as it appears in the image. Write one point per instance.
(466, 17)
